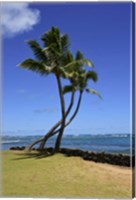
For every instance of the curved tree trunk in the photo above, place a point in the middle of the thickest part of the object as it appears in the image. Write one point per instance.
(72, 117)
(51, 132)
(62, 121)
(58, 141)
(42, 140)
(61, 130)
(76, 111)
(59, 138)
(34, 143)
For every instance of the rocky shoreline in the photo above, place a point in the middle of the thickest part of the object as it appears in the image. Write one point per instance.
(102, 157)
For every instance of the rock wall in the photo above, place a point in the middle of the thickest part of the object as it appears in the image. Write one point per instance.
(102, 157)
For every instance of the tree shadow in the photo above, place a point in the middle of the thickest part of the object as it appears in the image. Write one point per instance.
(36, 155)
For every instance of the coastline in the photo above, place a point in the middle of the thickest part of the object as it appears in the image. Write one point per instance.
(118, 143)
(100, 157)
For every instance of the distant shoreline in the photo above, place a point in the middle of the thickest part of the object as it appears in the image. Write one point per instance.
(118, 143)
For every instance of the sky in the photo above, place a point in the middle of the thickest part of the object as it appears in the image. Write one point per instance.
(102, 31)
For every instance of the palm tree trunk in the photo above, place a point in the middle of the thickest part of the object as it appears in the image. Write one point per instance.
(76, 111)
(28, 148)
(72, 117)
(62, 121)
(51, 131)
(58, 140)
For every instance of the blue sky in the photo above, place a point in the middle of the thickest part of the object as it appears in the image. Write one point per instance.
(102, 32)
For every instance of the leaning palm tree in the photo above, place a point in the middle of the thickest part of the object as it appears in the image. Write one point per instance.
(55, 58)
(78, 78)
(78, 82)
(49, 59)
(72, 70)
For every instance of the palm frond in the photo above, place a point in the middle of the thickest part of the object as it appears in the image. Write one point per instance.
(79, 55)
(88, 63)
(60, 42)
(37, 50)
(78, 63)
(67, 88)
(35, 66)
(64, 43)
(51, 36)
(91, 75)
(66, 59)
(88, 90)
(70, 57)
(63, 73)
(53, 55)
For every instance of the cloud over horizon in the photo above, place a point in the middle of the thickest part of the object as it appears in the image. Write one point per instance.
(18, 18)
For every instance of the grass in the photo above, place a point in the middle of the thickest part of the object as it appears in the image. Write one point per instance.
(60, 176)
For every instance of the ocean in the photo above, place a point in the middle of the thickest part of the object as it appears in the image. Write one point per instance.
(110, 143)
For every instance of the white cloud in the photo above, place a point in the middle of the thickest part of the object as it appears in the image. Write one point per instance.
(17, 18)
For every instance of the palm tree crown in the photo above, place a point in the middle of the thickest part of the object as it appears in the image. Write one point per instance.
(56, 58)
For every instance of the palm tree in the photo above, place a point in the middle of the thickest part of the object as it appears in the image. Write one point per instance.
(78, 81)
(55, 58)
(79, 78)
(49, 59)
(71, 69)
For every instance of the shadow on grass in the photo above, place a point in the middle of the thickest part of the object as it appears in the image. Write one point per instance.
(28, 155)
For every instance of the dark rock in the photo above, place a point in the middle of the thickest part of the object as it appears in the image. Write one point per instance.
(13, 148)
(49, 149)
(115, 159)
(22, 148)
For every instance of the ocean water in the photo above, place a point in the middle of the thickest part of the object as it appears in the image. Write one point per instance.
(111, 143)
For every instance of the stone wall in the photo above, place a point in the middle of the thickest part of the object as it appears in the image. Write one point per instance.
(102, 157)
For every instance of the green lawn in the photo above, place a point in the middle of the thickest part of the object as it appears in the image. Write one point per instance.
(60, 176)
